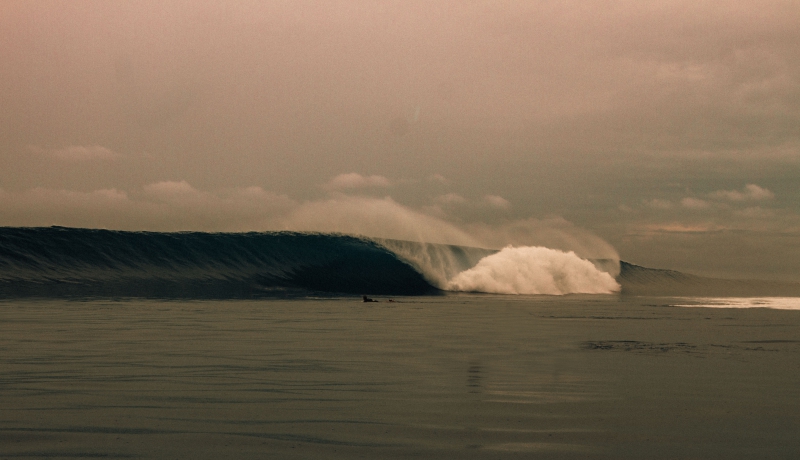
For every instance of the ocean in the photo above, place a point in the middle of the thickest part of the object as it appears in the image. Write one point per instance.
(264, 366)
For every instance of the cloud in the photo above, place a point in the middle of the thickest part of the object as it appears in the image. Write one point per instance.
(751, 192)
(454, 199)
(170, 189)
(438, 178)
(229, 209)
(694, 203)
(78, 153)
(59, 197)
(456, 207)
(760, 223)
(680, 227)
(497, 202)
(355, 181)
(755, 212)
(103, 208)
(162, 206)
(657, 203)
(450, 199)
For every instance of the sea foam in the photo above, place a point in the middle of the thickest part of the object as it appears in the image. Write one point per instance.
(534, 270)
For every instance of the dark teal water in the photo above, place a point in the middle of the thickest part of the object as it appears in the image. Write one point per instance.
(457, 376)
(59, 262)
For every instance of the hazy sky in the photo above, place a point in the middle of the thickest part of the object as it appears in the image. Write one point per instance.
(669, 129)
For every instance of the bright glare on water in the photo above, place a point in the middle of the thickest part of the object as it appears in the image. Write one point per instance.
(777, 303)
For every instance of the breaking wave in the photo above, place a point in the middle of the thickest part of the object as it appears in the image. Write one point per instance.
(534, 270)
(58, 261)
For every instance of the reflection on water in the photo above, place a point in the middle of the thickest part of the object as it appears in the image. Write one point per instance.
(777, 303)
(474, 377)
(566, 377)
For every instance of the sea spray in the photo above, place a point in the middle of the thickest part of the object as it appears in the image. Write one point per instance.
(438, 263)
(534, 270)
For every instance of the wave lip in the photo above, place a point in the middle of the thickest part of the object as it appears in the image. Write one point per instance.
(534, 270)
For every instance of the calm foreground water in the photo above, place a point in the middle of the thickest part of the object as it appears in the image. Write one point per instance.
(460, 377)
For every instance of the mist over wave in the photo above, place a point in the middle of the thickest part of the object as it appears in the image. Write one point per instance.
(551, 256)
(375, 219)
(553, 233)
(534, 270)
(438, 263)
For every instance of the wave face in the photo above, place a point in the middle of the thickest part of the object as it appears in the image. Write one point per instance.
(65, 262)
(637, 280)
(55, 262)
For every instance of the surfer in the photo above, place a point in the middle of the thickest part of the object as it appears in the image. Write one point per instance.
(367, 299)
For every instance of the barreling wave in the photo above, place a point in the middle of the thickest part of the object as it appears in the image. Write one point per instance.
(58, 262)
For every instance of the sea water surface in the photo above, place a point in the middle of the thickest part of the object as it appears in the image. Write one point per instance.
(450, 376)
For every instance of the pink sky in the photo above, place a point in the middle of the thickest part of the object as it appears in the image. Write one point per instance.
(631, 120)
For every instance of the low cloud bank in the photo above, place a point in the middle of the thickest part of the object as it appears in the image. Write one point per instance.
(163, 206)
(719, 198)
(356, 181)
(76, 153)
(751, 192)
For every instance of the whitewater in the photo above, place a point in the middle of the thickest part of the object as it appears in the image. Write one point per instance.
(57, 261)
(534, 270)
